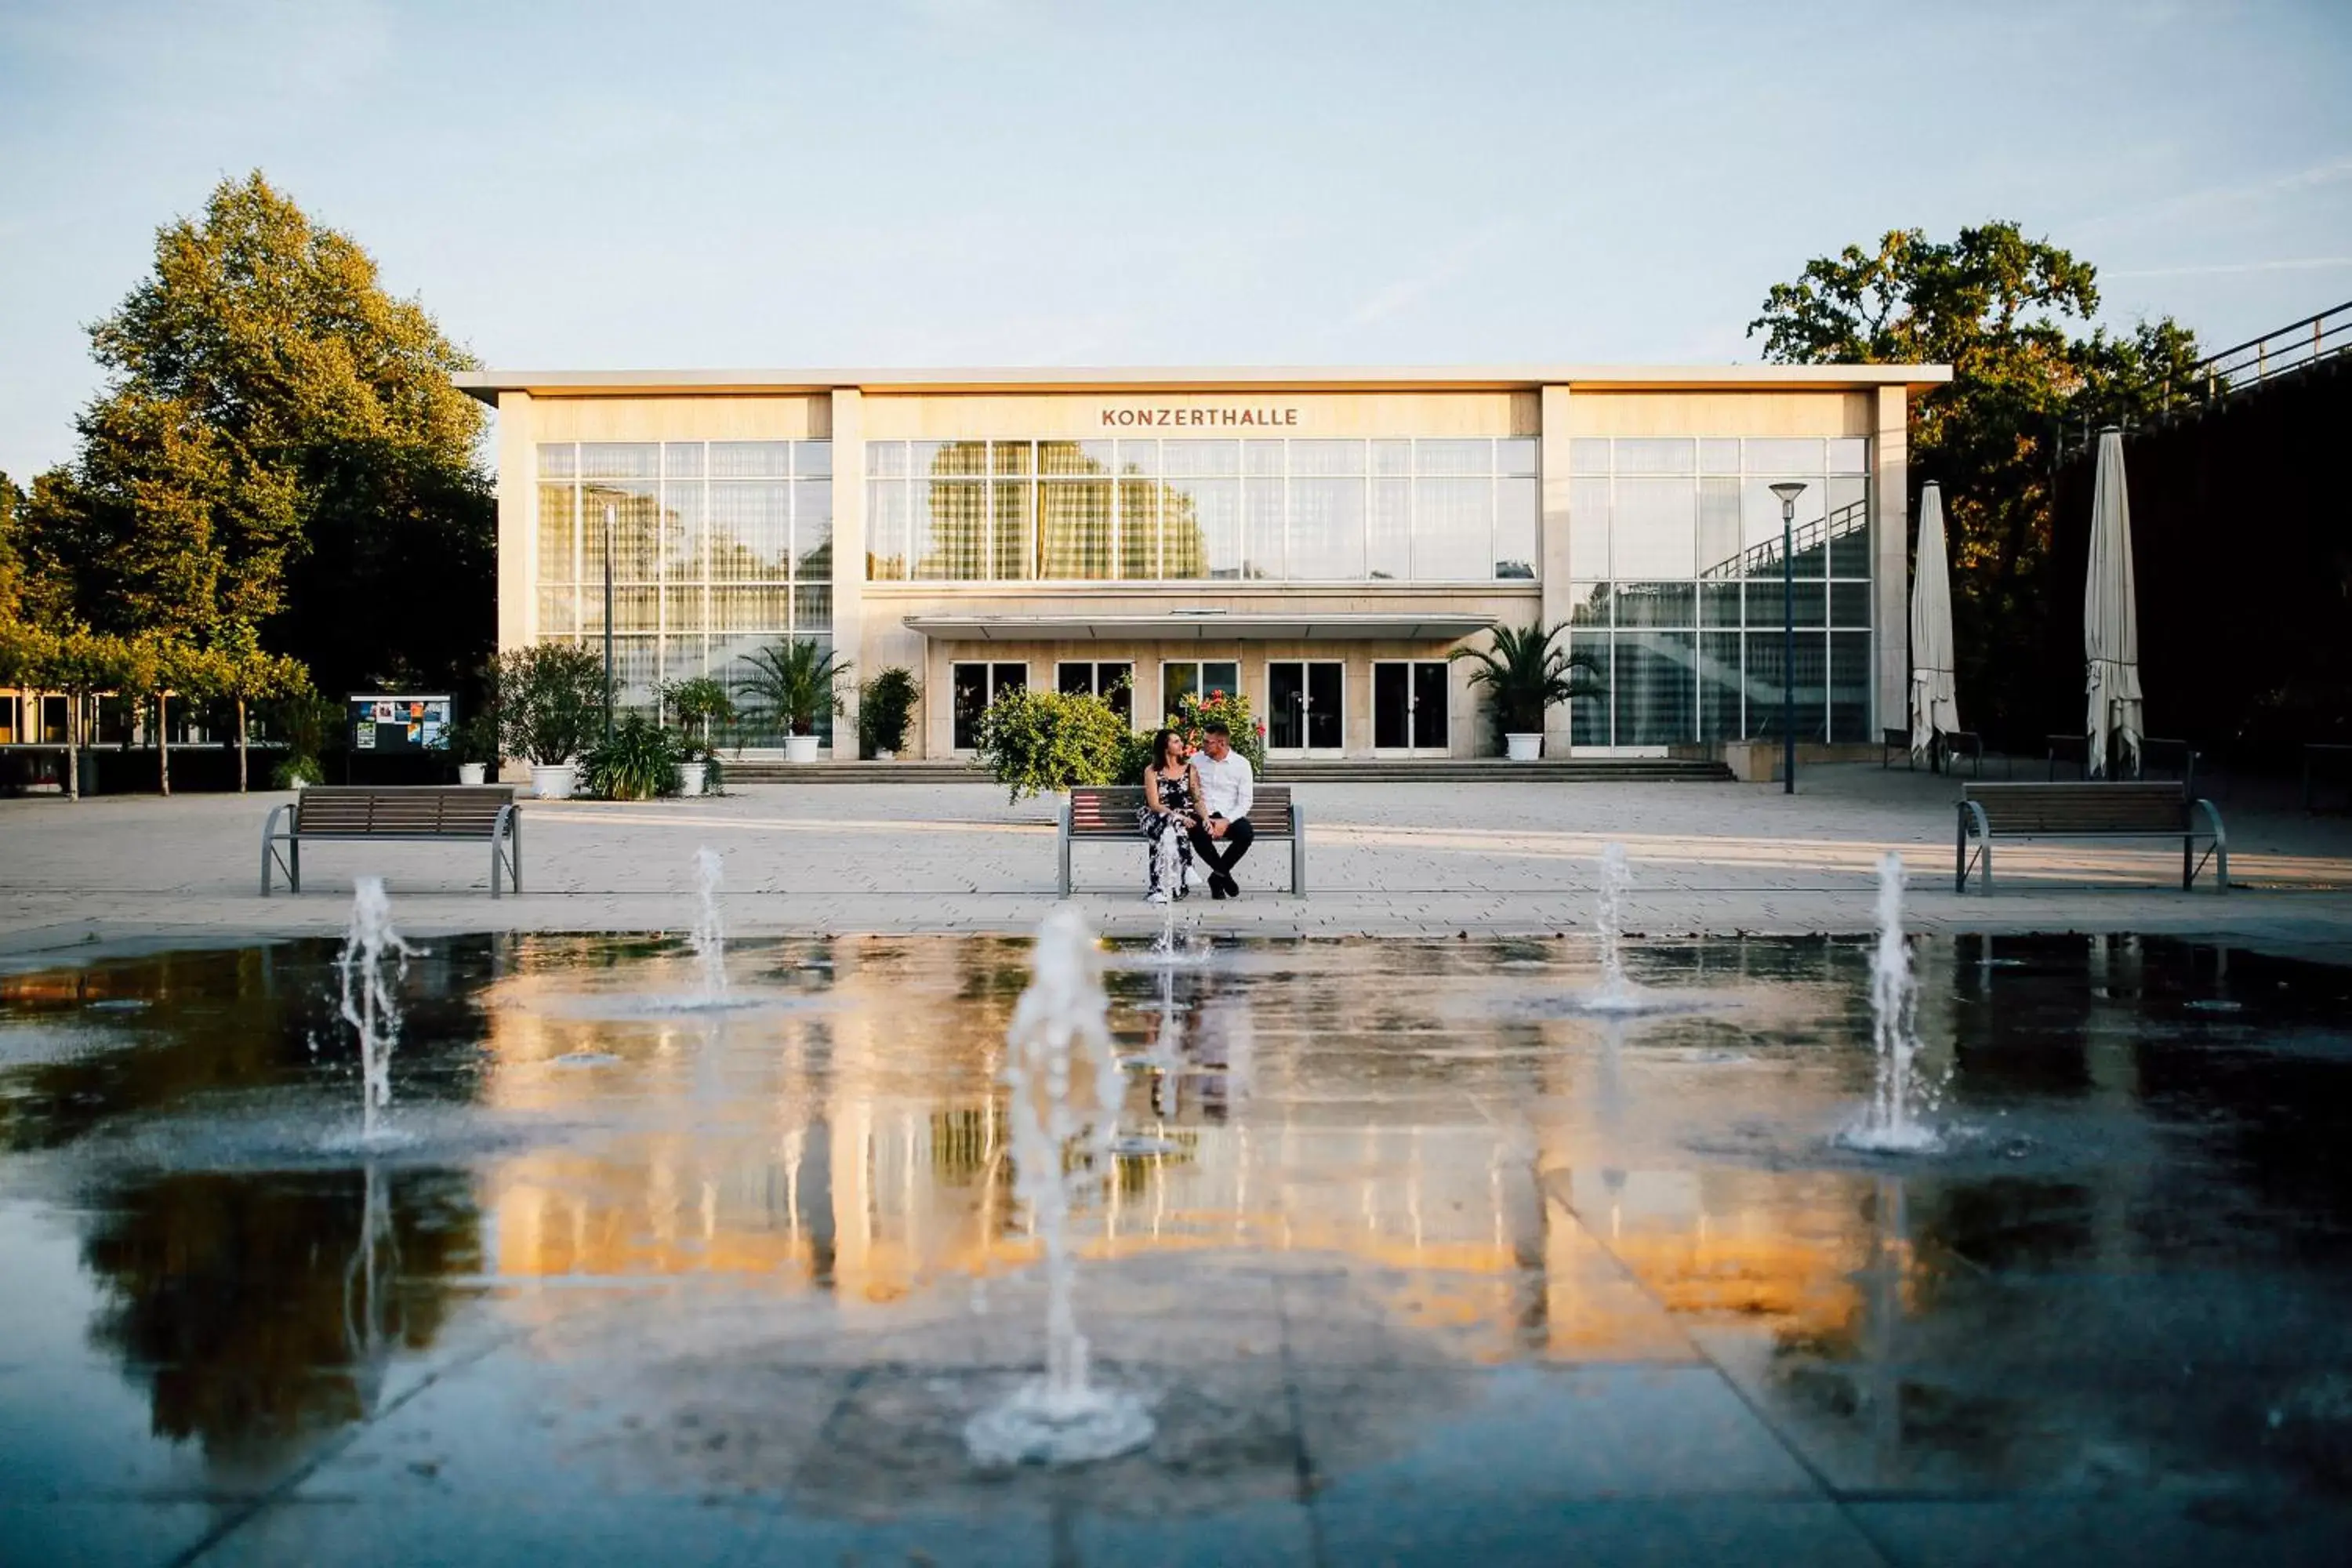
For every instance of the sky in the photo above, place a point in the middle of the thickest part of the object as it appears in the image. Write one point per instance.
(879, 182)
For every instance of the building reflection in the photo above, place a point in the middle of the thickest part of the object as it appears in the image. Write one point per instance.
(858, 1150)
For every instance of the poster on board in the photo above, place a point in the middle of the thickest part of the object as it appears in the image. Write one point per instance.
(395, 722)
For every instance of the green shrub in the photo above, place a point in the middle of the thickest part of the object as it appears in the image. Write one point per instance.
(637, 761)
(475, 739)
(886, 703)
(1033, 742)
(304, 721)
(551, 699)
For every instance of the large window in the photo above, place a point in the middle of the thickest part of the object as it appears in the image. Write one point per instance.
(1679, 609)
(1185, 511)
(718, 549)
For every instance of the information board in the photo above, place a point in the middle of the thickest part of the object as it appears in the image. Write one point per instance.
(385, 722)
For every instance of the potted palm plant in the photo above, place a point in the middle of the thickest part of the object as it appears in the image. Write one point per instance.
(793, 684)
(1525, 674)
(697, 705)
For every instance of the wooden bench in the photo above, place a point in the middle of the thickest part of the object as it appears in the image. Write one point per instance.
(1096, 811)
(338, 813)
(2089, 811)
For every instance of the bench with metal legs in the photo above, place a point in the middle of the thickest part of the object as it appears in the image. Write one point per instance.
(355, 814)
(1101, 812)
(2087, 811)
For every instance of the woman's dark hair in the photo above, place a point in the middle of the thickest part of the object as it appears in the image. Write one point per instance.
(1160, 749)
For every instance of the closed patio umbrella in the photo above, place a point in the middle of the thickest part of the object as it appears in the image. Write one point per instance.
(2110, 615)
(1935, 702)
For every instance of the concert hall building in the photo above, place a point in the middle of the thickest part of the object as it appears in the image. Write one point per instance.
(1318, 539)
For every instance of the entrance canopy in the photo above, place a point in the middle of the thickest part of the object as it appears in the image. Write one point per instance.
(1205, 625)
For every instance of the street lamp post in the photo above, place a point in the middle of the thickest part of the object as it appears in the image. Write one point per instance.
(608, 622)
(1787, 491)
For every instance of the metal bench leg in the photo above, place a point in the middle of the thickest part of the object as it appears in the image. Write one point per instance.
(294, 862)
(1062, 881)
(269, 832)
(1297, 852)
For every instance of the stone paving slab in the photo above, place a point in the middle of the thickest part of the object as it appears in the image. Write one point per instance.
(1395, 858)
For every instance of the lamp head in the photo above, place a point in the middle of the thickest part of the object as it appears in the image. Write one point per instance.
(1788, 490)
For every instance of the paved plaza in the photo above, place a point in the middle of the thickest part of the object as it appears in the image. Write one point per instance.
(1383, 860)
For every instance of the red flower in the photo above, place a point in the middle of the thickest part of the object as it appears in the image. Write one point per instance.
(1216, 694)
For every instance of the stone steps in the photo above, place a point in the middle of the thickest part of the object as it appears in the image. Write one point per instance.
(1287, 769)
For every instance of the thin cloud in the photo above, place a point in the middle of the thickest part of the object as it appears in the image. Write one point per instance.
(2244, 190)
(2215, 269)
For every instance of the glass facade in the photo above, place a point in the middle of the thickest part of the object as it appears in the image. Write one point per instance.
(719, 548)
(1185, 511)
(1676, 543)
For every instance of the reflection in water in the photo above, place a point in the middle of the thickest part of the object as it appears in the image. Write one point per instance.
(258, 1309)
(1500, 1184)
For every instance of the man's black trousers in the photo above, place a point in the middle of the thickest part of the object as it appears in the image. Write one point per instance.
(1224, 854)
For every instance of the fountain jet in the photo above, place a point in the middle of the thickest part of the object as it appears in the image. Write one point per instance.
(1063, 1075)
(373, 955)
(1890, 1122)
(710, 935)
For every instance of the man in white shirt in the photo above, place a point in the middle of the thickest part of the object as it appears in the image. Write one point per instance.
(1226, 784)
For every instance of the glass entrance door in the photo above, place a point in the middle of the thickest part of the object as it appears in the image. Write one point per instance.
(1303, 706)
(977, 686)
(1409, 707)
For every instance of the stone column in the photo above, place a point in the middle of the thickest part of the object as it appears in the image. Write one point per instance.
(1890, 532)
(1552, 544)
(848, 559)
(517, 565)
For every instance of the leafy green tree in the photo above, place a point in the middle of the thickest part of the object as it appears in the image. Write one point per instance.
(279, 458)
(2012, 316)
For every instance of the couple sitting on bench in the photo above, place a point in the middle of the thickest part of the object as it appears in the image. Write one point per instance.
(1205, 801)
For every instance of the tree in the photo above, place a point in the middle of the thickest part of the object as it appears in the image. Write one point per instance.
(279, 458)
(2006, 314)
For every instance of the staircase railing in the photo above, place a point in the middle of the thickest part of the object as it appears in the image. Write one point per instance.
(1764, 559)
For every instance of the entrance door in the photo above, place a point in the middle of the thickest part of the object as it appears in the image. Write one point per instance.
(977, 686)
(1302, 703)
(1409, 707)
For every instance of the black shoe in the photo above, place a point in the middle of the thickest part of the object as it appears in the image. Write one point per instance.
(1217, 887)
(1226, 887)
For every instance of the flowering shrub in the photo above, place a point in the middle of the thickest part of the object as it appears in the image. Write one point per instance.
(1194, 713)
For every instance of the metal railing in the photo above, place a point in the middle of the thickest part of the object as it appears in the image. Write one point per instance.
(1764, 560)
(2257, 360)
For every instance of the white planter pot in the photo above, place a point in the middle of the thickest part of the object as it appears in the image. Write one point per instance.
(471, 773)
(553, 781)
(800, 748)
(1525, 747)
(690, 777)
